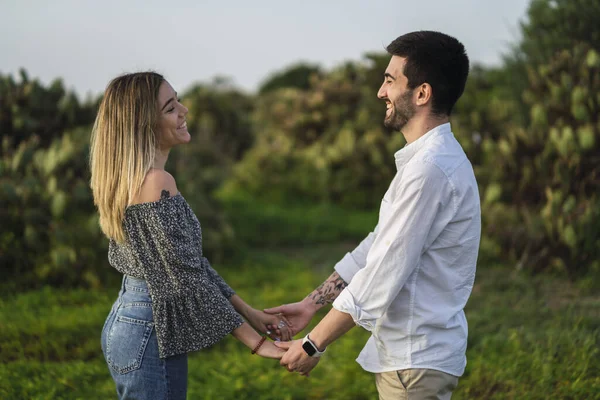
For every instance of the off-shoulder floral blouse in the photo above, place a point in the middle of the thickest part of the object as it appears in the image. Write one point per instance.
(190, 301)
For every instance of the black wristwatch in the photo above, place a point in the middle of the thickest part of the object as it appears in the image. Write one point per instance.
(310, 348)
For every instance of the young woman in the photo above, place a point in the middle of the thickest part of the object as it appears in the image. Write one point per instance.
(171, 301)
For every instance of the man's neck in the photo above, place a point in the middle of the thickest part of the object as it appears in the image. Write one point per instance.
(419, 126)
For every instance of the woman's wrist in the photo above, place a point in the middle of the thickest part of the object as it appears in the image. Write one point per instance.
(258, 345)
(246, 335)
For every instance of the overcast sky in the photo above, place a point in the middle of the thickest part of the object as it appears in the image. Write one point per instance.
(89, 42)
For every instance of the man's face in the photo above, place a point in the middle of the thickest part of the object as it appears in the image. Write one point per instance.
(398, 98)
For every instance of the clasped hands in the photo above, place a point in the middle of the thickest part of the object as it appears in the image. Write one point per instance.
(295, 317)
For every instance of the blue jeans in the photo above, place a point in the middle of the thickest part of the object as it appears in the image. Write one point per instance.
(130, 348)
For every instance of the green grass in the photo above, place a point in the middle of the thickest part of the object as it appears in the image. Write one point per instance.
(529, 338)
(259, 223)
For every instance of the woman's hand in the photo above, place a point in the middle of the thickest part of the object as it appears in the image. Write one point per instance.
(298, 314)
(269, 350)
(261, 320)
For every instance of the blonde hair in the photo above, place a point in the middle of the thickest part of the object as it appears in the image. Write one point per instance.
(123, 146)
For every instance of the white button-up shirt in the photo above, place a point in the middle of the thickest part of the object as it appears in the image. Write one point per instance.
(410, 278)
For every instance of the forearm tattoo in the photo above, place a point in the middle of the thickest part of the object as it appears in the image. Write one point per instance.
(329, 290)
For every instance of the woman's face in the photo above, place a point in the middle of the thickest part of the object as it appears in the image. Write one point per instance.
(172, 128)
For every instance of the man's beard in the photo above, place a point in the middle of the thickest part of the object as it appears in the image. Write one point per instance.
(403, 111)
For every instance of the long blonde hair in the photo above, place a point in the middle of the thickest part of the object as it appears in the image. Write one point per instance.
(123, 146)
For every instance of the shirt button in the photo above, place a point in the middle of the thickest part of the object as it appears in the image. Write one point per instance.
(387, 242)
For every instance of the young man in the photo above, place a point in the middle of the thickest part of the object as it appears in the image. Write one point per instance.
(409, 279)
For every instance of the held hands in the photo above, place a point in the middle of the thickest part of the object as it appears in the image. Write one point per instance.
(275, 325)
(297, 314)
(296, 359)
(269, 350)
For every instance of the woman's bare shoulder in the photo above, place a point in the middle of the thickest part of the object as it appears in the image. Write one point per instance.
(155, 182)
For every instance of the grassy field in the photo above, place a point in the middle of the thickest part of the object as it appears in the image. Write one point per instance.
(529, 337)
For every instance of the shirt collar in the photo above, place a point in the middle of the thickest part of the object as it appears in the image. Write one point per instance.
(404, 155)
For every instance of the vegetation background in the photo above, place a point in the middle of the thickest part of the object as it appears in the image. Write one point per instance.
(285, 181)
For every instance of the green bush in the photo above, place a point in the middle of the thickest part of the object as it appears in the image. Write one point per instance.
(323, 144)
(536, 127)
(49, 233)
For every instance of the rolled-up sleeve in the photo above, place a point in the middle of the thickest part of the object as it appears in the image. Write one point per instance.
(397, 248)
(353, 261)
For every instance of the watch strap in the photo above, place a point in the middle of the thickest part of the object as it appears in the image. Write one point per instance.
(311, 348)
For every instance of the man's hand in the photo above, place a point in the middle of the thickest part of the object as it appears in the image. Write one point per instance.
(296, 359)
(274, 325)
(298, 314)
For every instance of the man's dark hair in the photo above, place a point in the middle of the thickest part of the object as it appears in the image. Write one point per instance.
(437, 59)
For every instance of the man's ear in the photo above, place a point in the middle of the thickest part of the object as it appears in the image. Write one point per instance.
(424, 94)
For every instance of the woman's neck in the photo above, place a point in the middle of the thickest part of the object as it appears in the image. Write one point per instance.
(160, 159)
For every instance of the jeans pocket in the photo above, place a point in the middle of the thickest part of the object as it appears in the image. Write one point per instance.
(126, 343)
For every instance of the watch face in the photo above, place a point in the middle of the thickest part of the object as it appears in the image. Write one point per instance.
(308, 348)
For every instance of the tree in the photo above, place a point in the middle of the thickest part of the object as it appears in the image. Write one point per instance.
(295, 76)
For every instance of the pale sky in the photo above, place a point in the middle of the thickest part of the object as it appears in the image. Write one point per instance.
(87, 43)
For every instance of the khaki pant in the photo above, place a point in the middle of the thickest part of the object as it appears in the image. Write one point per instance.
(415, 384)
